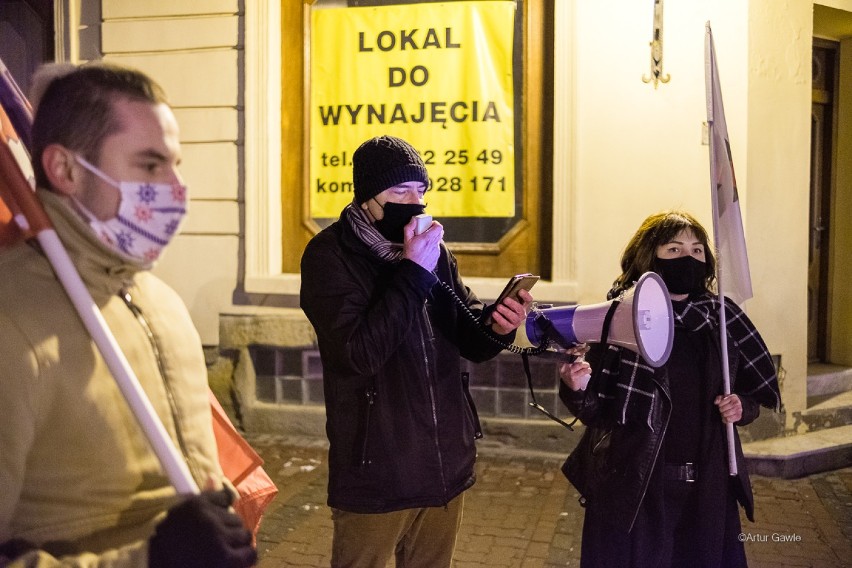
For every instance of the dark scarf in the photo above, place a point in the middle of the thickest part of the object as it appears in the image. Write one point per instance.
(635, 389)
(364, 229)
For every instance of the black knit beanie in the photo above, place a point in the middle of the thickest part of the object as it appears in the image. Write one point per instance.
(383, 162)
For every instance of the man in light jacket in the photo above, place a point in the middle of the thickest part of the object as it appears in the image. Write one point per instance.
(79, 483)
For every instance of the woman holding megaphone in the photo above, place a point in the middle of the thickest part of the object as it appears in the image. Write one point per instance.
(651, 467)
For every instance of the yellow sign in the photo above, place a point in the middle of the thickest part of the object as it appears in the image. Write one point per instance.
(436, 75)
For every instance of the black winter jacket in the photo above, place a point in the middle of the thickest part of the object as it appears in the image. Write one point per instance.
(399, 418)
(614, 464)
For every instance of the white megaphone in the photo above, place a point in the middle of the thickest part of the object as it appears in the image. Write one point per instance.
(641, 320)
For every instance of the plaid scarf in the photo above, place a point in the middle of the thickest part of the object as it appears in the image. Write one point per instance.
(634, 389)
(363, 227)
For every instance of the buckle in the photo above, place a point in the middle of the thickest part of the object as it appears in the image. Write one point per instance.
(689, 472)
(685, 472)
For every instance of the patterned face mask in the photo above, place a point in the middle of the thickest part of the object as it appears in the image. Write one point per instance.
(149, 215)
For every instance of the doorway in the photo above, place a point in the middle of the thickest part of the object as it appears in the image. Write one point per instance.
(823, 108)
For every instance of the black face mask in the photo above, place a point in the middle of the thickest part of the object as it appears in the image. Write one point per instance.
(396, 217)
(682, 275)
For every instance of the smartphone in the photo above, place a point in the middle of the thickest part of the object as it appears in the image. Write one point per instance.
(424, 221)
(515, 284)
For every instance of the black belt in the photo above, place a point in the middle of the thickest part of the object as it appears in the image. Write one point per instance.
(674, 472)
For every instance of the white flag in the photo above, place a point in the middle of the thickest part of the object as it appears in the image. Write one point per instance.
(732, 258)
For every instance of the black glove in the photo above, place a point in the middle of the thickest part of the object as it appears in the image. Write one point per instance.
(202, 532)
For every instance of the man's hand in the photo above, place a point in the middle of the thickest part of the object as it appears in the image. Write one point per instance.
(424, 248)
(730, 407)
(202, 532)
(510, 314)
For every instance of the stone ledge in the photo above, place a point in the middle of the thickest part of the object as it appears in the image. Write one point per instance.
(826, 379)
(291, 420)
(240, 326)
(799, 455)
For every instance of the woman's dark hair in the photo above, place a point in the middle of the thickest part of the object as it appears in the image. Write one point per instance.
(76, 109)
(641, 252)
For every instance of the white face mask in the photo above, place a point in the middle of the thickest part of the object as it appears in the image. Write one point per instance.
(149, 215)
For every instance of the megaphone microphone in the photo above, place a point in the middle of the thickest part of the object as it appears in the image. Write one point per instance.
(640, 320)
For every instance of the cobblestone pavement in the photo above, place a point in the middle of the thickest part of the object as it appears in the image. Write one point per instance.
(523, 513)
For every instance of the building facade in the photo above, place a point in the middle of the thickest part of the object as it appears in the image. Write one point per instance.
(614, 149)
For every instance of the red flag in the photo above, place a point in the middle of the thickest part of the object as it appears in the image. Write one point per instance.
(241, 464)
(9, 231)
(15, 121)
(20, 214)
(733, 271)
(18, 108)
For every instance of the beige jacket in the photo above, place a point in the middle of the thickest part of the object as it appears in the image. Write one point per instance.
(77, 476)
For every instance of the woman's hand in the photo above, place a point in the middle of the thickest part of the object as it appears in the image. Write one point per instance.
(730, 407)
(576, 375)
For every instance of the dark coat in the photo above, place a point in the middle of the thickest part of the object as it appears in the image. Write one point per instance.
(399, 418)
(617, 469)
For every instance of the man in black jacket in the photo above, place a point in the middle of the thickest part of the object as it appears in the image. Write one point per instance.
(393, 318)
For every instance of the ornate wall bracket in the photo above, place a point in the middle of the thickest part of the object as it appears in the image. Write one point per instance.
(657, 49)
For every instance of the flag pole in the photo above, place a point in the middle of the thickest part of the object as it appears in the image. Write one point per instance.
(170, 458)
(33, 221)
(710, 63)
(723, 329)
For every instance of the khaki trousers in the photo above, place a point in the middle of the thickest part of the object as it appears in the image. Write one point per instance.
(416, 537)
